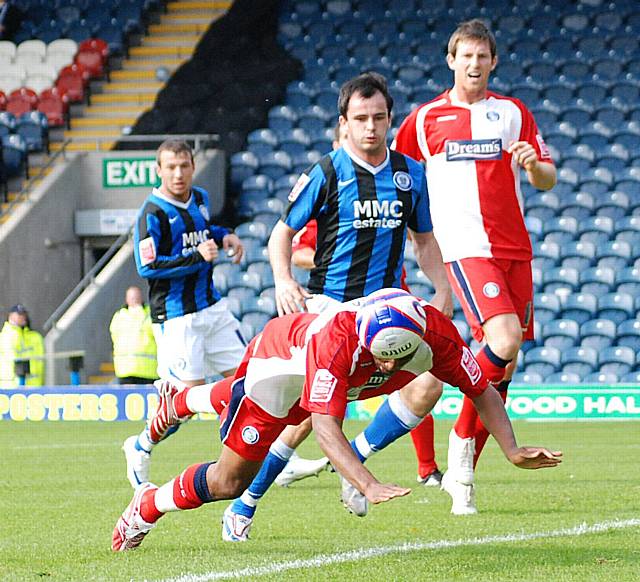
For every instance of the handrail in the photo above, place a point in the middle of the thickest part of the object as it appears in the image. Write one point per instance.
(24, 193)
(86, 281)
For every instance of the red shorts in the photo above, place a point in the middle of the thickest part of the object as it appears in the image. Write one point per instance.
(487, 287)
(247, 429)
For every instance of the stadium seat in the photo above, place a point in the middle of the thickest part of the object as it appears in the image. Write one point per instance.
(33, 127)
(580, 307)
(544, 205)
(235, 306)
(560, 278)
(631, 378)
(628, 281)
(543, 360)
(546, 254)
(629, 334)
(530, 378)
(264, 271)
(579, 360)
(14, 156)
(560, 333)
(618, 360)
(598, 333)
(616, 307)
(601, 378)
(255, 322)
(241, 293)
(614, 254)
(578, 254)
(546, 306)
(54, 103)
(563, 377)
(8, 120)
(597, 280)
(244, 279)
(275, 164)
(73, 81)
(36, 49)
(615, 205)
(596, 228)
(21, 101)
(560, 230)
(92, 60)
(264, 305)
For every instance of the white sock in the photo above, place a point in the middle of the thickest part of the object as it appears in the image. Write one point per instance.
(199, 399)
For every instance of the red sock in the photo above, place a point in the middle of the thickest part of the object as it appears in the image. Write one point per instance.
(180, 403)
(482, 434)
(465, 426)
(221, 394)
(493, 367)
(188, 487)
(422, 437)
(148, 510)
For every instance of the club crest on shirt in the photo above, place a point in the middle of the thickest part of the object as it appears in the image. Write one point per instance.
(403, 181)
(491, 290)
(298, 187)
(322, 387)
(204, 211)
(470, 365)
(250, 435)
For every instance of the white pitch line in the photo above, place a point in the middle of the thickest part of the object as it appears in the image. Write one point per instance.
(376, 552)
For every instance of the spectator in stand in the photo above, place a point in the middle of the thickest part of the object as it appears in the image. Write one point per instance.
(19, 342)
(134, 347)
(10, 19)
(475, 143)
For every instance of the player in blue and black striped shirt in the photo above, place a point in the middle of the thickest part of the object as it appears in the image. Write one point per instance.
(175, 246)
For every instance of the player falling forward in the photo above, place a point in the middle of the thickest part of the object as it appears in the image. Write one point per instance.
(280, 383)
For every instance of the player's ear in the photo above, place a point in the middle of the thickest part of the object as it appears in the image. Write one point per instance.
(494, 62)
(450, 59)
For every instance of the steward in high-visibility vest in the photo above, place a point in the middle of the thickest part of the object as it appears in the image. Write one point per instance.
(134, 347)
(19, 342)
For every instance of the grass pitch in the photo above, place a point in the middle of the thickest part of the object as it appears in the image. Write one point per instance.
(63, 486)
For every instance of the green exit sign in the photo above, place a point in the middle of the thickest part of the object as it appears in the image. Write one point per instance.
(129, 173)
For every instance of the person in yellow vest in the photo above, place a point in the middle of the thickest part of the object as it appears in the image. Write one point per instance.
(19, 342)
(134, 347)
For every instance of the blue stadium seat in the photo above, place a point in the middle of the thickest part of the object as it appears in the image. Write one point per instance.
(546, 306)
(629, 334)
(242, 294)
(543, 360)
(597, 280)
(561, 229)
(631, 378)
(417, 277)
(531, 378)
(304, 160)
(265, 136)
(264, 271)
(578, 205)
(601, 378)
(614, 204)
(269, 219)
(577, 114)
(560, 278)
(14, 155)
(242, 166)
(275, 164)
(258, 183)
(544, 205)
(255, 322)
(615, 254)
(616, 307)
(580, 307)
(579, 360)
(272, 205)
(628, 281)
(618, 360)
(534, 227)
(254, 254)
(563, 377)
(252, 230)
(578, 254)
(598, 333)
(235, 306)
(546, 254)
(282, 118)
(265, 305)
(244, 279)
(596, 228)
(560, 333)
(8, 120)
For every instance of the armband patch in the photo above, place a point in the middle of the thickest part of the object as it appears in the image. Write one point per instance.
(147, 250)
(545, 154)
(470, 365)
(298, 187)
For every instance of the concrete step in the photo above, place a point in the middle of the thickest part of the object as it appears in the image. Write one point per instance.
(91, 134)
(112, 110)
(161, 51)
(107, 368)
(183, 40)
(136, 87)
(150, 64)
(140, 99)
(85, 146)
(101, 379)
(99, 122)
(134, 75)
(198, 5)
(178, 27)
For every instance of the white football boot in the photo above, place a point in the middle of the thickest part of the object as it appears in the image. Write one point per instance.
(138, 462)
(130, 528)
(433, 479)
(458, 479)
(352, 499)
(235, 527)
(298, 468)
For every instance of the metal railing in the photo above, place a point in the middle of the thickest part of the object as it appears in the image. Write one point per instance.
(200, 140)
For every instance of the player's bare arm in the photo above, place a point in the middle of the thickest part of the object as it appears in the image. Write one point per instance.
(232, 244)
(542, 175)
(209, 250)
(290, 295)
(494, 416)
(328, 430)
(429, 258)
(303, 258)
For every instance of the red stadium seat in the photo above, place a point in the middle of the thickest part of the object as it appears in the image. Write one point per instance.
(54, 103)
(21, 101)
(73, 80)
(91, 59)
(3, 101)
(96, 44)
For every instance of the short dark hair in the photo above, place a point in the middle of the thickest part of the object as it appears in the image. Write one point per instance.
(177, 146)
(474, 29)
(366, 84)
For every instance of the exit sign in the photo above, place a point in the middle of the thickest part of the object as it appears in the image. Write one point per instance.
(129, 173)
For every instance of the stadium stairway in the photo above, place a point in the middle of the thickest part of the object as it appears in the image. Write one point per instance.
(116, 104)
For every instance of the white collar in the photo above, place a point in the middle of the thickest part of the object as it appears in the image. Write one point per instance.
(183, 205)
(367, 166)
(453, 97)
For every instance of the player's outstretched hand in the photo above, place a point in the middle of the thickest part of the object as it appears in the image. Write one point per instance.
(290, 297)
(209, 250)
(380, 492)
(535, 458)
(443, 302)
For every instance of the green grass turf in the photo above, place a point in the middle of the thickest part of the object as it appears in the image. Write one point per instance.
(63, 486)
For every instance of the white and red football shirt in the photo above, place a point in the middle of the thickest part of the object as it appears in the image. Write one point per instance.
(474, 184)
